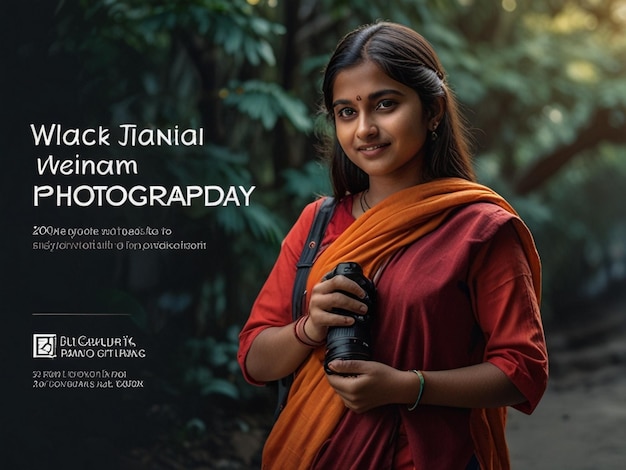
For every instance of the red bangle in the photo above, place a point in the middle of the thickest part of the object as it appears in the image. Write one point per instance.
(301, 335)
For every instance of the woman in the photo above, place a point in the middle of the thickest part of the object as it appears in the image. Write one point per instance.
(457, 334)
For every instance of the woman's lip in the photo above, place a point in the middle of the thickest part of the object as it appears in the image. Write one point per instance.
(371, 148)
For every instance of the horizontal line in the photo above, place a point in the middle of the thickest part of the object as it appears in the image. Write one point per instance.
(81, 314)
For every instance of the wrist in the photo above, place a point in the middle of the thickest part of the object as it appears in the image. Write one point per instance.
(303, 337)
(421, 383)
(313, 336)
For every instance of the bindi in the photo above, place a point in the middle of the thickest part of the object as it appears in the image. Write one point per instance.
(358, 97)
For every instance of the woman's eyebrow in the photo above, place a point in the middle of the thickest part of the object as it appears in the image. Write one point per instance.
(372, 96)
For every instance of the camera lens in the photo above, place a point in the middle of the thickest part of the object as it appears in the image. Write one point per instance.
(351, 342)
(347, 343)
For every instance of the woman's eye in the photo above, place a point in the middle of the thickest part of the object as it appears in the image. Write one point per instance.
(385, 104)
(345, 112)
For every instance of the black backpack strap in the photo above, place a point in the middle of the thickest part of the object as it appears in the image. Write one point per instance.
(309, 251)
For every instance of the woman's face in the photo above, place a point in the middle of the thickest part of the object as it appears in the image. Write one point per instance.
(380, 124)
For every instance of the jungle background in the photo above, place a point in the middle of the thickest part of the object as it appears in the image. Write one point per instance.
(542, 83)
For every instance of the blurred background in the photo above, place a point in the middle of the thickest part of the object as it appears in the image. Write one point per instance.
(542, 83)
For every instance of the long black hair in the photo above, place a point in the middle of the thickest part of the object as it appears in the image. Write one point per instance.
(407, 57)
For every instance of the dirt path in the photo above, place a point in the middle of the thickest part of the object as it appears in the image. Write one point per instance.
(575, 429)
(580, 423)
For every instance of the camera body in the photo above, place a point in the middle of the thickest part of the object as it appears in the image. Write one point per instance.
(354, 341)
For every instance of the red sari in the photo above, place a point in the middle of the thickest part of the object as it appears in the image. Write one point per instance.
(460, 287)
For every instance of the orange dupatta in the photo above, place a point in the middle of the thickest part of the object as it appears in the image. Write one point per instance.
(313, 408)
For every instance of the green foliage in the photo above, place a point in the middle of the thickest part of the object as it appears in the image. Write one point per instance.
(309, 181)
(588, 218)
(211, 365)
(267, 102)
(239, 32)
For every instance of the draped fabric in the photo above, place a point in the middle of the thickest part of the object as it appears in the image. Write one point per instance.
(313, 410)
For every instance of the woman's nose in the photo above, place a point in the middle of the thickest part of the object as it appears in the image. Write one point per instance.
(366, 128)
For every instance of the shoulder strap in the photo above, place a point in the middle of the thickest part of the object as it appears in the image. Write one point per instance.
(309, 251)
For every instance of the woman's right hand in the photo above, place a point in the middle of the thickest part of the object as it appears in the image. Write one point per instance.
(276, 352)
(331, 294)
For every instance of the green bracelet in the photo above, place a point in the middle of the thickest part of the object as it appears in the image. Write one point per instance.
(419, 395)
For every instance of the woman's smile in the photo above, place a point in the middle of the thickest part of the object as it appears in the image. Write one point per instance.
(371, 150)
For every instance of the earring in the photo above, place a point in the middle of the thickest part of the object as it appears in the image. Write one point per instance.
(433, 133)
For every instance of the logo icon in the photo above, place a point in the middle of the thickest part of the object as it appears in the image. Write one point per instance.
(44, 345)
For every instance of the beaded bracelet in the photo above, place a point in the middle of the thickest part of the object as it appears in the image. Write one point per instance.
(301, 335)
(419, 395)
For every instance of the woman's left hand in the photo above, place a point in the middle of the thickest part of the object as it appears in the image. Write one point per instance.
(363, 385)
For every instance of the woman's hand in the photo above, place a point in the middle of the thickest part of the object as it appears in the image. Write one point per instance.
(328, 295)
(364, 385)
(367, 384)
(276, 352)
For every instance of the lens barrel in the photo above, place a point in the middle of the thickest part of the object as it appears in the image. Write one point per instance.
(354, 341)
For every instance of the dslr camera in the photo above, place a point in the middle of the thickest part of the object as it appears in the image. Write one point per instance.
(354, 341)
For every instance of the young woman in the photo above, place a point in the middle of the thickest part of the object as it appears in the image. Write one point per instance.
(456, 331)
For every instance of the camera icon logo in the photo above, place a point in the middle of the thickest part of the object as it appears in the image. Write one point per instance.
(44, 345)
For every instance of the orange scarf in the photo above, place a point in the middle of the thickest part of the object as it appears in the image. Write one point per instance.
(313, 409)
